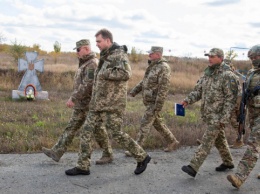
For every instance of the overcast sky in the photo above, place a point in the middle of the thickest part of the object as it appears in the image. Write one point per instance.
(182, 27)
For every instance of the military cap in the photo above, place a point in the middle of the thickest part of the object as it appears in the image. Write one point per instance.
(214, 52)
(156, 49)
(83, 42)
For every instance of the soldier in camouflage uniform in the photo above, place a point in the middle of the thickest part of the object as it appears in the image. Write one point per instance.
(252, 89)
(235, 112)
(217, 89)
(108, 103)
(79, 101)
(238, 143)
(154, 88)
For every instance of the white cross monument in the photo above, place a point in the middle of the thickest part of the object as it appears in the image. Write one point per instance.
(30, 77)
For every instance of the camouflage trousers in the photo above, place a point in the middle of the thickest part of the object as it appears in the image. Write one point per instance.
(214, 135)
(77, 119)
(251, 155)
(234, 114)
(113, 122)
(149, 119)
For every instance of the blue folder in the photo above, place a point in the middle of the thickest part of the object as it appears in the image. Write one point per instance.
(179, 110)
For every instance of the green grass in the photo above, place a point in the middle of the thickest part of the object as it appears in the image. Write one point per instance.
(27, 126)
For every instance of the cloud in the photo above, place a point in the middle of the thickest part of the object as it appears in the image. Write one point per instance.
(180, 25)
(255, 24)
(143, 40)
(222, 2)
(154, 34)
(110, 22)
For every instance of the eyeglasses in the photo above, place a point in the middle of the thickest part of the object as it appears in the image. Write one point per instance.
(78, 49)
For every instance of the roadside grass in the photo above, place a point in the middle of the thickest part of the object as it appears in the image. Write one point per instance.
(27, 126)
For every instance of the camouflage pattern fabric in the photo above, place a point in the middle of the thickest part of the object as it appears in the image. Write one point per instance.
(77, 119)
(217, 91)
(234, 114)
(113, 121)
(108, 104)
(83, 81)
(218, 94)
(248, 161)
(81, 95)
(110, 84)
(154, 87)
(213, 136)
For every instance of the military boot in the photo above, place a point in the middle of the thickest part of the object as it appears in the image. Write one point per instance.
(235, 181)
(189, 170)
(171, 146)
(222, 167)
(128, 154)
(104, 160)
(237, 144)
(50, 153)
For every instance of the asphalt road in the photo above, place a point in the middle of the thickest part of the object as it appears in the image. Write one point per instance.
(36, 173)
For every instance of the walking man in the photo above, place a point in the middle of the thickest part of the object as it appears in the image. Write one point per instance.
(79, 101)
(154, 88)
(239, 142)
(252, 101)
(108, 103)
(217, 89)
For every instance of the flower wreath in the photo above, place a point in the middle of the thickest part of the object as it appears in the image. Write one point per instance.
(30, 92)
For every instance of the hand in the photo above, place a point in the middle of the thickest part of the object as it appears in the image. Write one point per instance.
(184, 104)
(70, 104)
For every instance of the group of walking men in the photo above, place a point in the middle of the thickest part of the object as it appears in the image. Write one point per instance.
(99, 101)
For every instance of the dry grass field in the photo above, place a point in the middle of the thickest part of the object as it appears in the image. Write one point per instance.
(27, 126)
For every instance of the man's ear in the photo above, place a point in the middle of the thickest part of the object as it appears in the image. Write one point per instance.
(108, 40)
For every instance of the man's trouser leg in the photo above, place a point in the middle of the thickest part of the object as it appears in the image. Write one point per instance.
(238, 143)
(163, 129)
(248, 161)
(203, 150)
(222, 146)
(146, 124)
(86, 140)
(114, 122)
(101, 137)
(76, 121)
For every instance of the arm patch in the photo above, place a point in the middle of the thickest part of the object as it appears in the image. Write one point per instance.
(91, 74)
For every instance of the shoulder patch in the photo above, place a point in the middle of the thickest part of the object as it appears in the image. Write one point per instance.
(91, 74)
(233, 85)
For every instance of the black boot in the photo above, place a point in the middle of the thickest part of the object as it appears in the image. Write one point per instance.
(76, 171)
(189, 170)
(141, 166)
(224, 167)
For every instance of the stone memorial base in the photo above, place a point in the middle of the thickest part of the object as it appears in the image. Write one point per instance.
(42, 95)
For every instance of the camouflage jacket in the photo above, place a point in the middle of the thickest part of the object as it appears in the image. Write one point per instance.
(83, 81)
(111, 78)
(155, 84)
(218, 94)
(252, 81)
